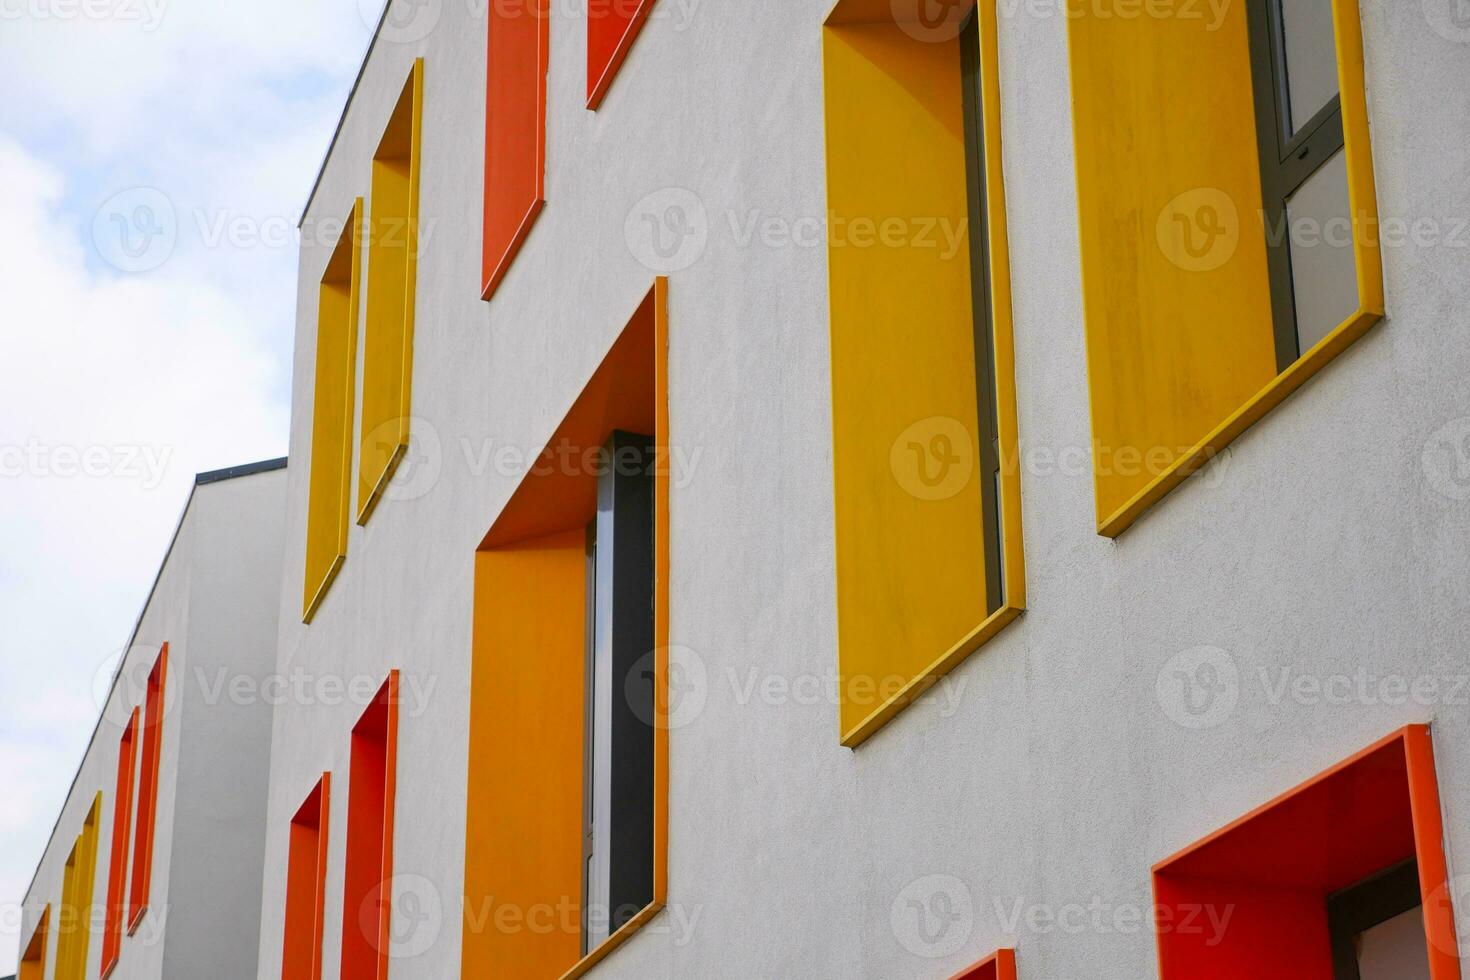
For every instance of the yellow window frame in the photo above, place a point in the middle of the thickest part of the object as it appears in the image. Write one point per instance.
(895, 147)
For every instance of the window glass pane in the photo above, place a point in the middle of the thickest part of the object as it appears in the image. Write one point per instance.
(1311, 58)
(1394, 950)
(1323, 266)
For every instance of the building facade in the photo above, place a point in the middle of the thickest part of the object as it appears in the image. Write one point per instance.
(885, 490)
(153, 868)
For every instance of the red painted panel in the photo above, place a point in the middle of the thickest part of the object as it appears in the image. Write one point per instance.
(612, 27)
(1250, 899)
(142, 879)
(515, 130)
(122, 817)
(1001, 965)
(306, 881)
(367, 901)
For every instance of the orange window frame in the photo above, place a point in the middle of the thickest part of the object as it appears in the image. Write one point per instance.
(1000, 965)
(524, 812)
(122, 817)
(612, 28)
(371, 791)
(147, 817)
(306, 885)
(519, 42)
(33, 959)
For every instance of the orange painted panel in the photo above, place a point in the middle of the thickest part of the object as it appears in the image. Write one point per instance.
(1271, 870)
(523, 849)
(306, 882)
(523, 852)
(612, 27)
(117, 874)
(999, 966)
(142, 878)
(33, 960)
(515, 131)
(367, 876)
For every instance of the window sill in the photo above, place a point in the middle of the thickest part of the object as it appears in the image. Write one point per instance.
(137, 919)
(614, 941)
(929, 676)
(1276, 392)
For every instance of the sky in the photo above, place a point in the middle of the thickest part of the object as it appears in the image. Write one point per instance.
(154, 159)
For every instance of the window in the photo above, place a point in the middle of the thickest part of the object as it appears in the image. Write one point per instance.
(306, 879)
(542, 600)
(1303, 172)
(329, 493)
(122, 817)
(515, 131)
(612, 27)
(153, 712)
(1219, 271)
(393, 249)
(927, 490)
(33, 960)
(999, 966)
(74, 925)
(1342, 877)
(619, 743)
(371, 791)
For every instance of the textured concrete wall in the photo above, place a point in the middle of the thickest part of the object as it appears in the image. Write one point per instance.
(215, 605)
(1052, 769)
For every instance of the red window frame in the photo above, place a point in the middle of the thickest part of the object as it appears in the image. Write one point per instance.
(612, 27)
(147, 800)
(122, 818)
(1000, 965)
(306, 885)
(371, 790)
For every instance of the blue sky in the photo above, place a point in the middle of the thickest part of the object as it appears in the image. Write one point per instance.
(154, 158)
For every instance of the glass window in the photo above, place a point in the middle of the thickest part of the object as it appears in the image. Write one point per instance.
(1310, 55)
(1323, 267)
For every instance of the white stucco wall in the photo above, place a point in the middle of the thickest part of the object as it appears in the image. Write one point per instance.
(215, 606)
(1048, 774)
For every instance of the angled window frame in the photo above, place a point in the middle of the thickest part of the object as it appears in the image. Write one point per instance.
(392, 290)
(74, 919)
(972, 40)
(372, 791)
(145, 823)
(334, 405)
(122, 816)
(306, 884)
(33, 952)
(1117, 512)
(620, 22)
(1000, 965)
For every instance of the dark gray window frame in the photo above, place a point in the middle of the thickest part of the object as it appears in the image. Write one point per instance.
(985, 393)
(1371, 902)
(1287, 161)
(625, 497)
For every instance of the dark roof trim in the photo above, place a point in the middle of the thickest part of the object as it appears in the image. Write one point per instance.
(200, 479)
(246, 469)
(342, 119)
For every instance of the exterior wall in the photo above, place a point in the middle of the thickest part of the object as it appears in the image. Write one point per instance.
(1048, 773)
(214, 605)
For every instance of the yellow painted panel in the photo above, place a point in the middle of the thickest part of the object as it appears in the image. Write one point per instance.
(523, 848)
(329, 492)
(392, 272)
(33, 960)
(1176, 293)
(910, 544)
(74, 921)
